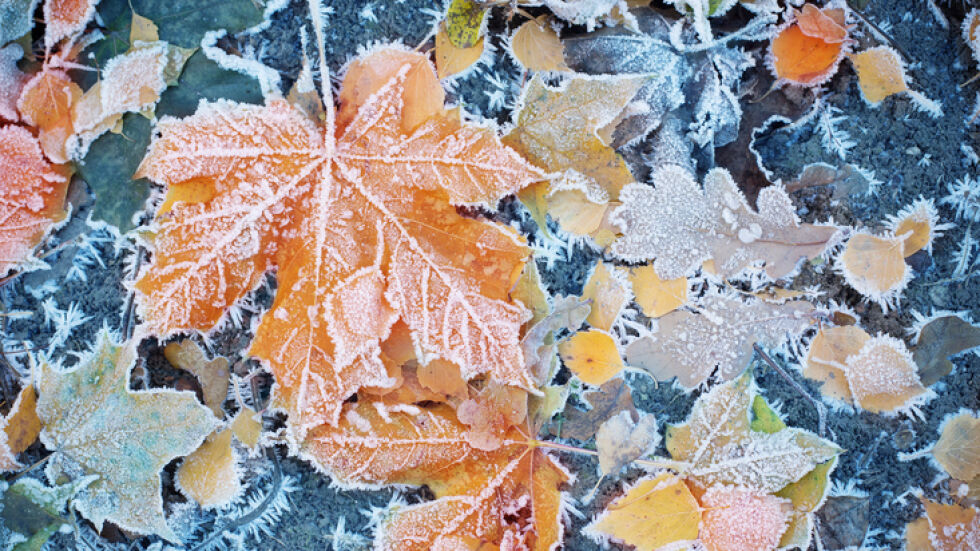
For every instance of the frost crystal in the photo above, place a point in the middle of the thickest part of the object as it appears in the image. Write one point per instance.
(964, 196)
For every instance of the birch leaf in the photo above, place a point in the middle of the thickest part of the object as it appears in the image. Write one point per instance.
(65, 18)
(354, 217)
(958, 448)
(247, 427)
(808, 49)
(740, 518)
(609, 292)
(883, 378)
(679, 227)
(826, 359)
(209, 475)
(937, 341)
(592, 356)
(875, 266)
(464, 23)
(45, 103)
(480, 495)
(656, 297)
(95, 425)
(944, 528)
(451, 59)
(881, 73)
(537, 46)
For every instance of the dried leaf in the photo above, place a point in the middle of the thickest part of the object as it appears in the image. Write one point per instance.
(739, 518)
(65, 19)
(620, 440)
(656, 297)
(606, 401)
(944, 528)
(537, 47)
(846, 181)
(883, 378)
(96, 426)
(374, 444)
(808, 48)
(690, 345)
(875, 266)
(247, 427)
(209, 476)
(34, 195)
(679, 226)
(556, 128)
(722, 449)
(919, 224)
(45, 103)
(592, 356)
(609, 292)
(881, 73)
(367, 252)
(826, 359)
(491, 413)
(11, 81)
(21, 427)
(958, 448)
(654, 512)
(937, 341)
(212, 374)
(581, 12)
(452, 60)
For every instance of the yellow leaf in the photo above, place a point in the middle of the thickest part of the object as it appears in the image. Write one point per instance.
(247, 427)
(464, 23)
(592, 355)
(452, 60)
(609, 293)
(880, 73)
(19, 429)
(826, 359)
(531, 294)
(918, 223)
(655, 512)
(656, 296)
(764, 419)
(807, 494)
(143, 29)
(958, 448)
(576, 212)
(535, 199)
(944, 528)
(209, 475)
(537, 46)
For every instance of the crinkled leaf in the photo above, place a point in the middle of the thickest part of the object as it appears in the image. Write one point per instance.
(620, 440)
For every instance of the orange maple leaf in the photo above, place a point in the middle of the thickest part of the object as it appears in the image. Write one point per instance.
(511, 493)
(357, 215)
(32, 195)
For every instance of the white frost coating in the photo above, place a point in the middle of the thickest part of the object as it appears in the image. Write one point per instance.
(59, 25)
(121, 92)
(884, 366)
(584, 12)
(267, 77)
(920, 211)
(11, 81)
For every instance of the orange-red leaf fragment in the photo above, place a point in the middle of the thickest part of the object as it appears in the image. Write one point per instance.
(34, 194)
(46, 103)
(808, 49)
(738, 518)
(65, 18)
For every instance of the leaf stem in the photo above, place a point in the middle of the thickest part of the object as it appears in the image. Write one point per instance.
(821, 410)
(656, 462)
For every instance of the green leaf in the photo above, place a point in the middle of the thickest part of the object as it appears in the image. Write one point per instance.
(764, 419)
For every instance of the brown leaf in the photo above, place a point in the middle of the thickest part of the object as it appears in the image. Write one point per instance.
(620, 440)
(212, 374)
(606, 401)
(937, 341)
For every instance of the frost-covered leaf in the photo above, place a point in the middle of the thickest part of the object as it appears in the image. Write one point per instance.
(826, 359)
(582, 12)
(464, 23)
(883, 378)
(592, 355)
(480, 496)
(809, 47)
(452, 60)
(212, 374)
(875, 266)
(919, 224)
(958, 448)
(944, 528)
(65, 19)
(881, 73)
(557, 129)
(717, 113)
(33, 190)
(740, 518)
(11, 80)
(654, 512)
(95, 425)
(33, 512)
(355, 219)
(689, 345)
(19, 429)
(182, 23)
(656, 297)
(16, 19)
(845, 181)
(606, 401)
(620, 440)
(210, 474)
(937, 341)
(609, 292)
(45, 103)
(679, 226)
(247, 427)
(722, 449)
(490, 414)
(537, 47)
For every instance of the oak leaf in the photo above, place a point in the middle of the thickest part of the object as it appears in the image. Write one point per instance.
(34, 195)
(480, 495)
(654, 512)
(358, 219)
(809, 47)
(720, 333)
(719, 444)
(679, 226)
(95, 425)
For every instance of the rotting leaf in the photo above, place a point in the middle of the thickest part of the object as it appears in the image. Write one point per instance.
(620, 440)
(592, 355)
(95, 425)
(679, 226)
(398, 155)
(374, 444)
(689, 345)
(654, 512)
(212, 374)
(606, 401)
(937, 341)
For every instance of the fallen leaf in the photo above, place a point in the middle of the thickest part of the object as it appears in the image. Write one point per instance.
(883, 378)
(368, 252)
(881, 73)
(741, 518)
(826, 359)
(592, 356)
(919, 224)
(45, 103)
(875, 266)
(809, 47)
(689, 345)
(654, 512)
(609, 292)
(679, 226)
(944, 528)
(209, 475)
(212, 374)
(491, 413)
(34, 512)
(16, 19)
(721, 448)
(958, 447)
(11, 81)
(374, 444)
(806, 496)
(844, 521)
(845, 181)
(656, 297)
(65, 19)
(247, 427)
(937, 341)
(96, 426)
(19, 429)
(764, 419)
(34, 196)
(605, 401)
(464, 22)
(537, 47)
(452, 60)
(620, 440)
(531, 293)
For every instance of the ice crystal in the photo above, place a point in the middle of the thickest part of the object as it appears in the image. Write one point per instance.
(63, 322)
(964, 196)
(835, 140)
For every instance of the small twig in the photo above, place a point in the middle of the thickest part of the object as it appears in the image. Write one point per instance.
(821, 410)
(36, 464)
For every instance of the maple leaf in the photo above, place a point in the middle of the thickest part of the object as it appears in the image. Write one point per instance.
(481, 496)
(33, 192)
(721, 332)
(358, 219)
(679, 226)
(95, 425)
(718, 442)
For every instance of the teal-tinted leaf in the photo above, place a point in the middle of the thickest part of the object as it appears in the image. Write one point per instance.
(16, 19)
